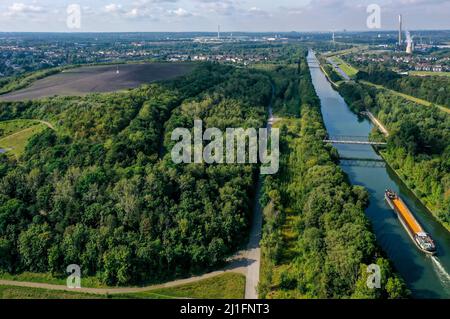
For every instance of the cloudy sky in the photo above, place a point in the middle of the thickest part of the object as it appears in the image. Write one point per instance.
(232, 15)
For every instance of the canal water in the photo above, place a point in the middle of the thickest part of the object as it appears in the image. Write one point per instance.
(426, 276)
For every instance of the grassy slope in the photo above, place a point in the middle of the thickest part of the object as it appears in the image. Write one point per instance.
(226, 286)
(15, 143)
(11, 127)
(347, 51)
(47, 278)
(10, 292)
(427, 73)
(347, 68)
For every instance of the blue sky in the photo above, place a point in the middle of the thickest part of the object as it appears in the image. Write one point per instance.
(232, 15)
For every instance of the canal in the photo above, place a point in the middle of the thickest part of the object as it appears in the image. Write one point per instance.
(426, 276)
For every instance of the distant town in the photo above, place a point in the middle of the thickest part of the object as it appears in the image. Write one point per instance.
(24, 52)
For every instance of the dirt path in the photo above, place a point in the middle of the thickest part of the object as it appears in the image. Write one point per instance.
(17, 133)
(48, 124)
(375, 121)
(234, 267)
(253, 252)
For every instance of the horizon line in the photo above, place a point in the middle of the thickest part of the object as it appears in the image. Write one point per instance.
(224, 32)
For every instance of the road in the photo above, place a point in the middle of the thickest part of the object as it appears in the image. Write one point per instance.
(253, 252)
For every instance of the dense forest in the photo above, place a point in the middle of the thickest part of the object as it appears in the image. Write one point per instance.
(101, 190)
(435, 89)
(317, 241)
(418, 146)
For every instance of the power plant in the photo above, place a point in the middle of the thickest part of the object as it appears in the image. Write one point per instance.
(409, 38)
(409, 43)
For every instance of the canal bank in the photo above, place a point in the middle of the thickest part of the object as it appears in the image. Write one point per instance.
(426, 276)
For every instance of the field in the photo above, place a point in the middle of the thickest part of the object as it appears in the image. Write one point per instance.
(14, 135)
(347, 51)
(47, 278)
(10, 127)
(12, 292)
(348, 69)
(425, 73)
(85, 80)
(226, 286)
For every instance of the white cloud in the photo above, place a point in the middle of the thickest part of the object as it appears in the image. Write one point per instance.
(257, 12)
(112, 8)
(223, 7)
(22, 9)
(180, 12)
(252, 15)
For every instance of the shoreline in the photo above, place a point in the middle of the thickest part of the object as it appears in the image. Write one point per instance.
(426, 208)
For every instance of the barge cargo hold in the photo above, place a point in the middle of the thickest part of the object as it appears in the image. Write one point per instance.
(422, 240)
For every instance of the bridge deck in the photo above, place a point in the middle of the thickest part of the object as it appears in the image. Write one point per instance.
(354, 142)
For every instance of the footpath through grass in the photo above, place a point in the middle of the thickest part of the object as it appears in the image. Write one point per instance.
(224, 286)
(47, 278)
(14, 135)
(12, 292)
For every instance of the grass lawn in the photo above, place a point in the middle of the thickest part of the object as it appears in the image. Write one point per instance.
(47, 278)
(427, 73)
(347, 51)
(15, 134)
(15, 143)
(226, 286)
(11, 292)
(347, 68)
(14, 126)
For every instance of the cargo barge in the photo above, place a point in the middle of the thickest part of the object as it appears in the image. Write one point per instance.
(421, 239)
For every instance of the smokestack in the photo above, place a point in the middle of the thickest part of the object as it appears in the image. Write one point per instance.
(218, 32)
(400, 21)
